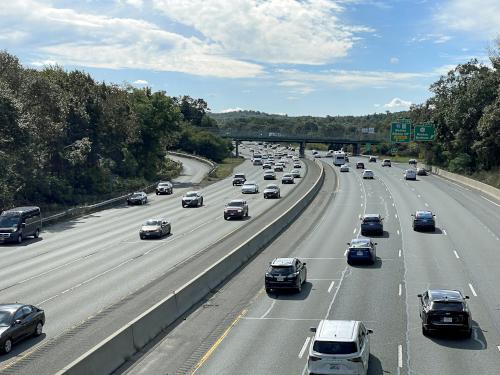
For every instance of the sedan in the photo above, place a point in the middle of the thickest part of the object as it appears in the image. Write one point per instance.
(164, 187)
(17, 322)
(360, 165)
(155, 228)
(287, 179)
(272, 191)
(344, 168)
(410, 174)
(442, 309)
(372, 159)
(421, 172)
(266, 166)
(278, 168)
(139, 197)
(192, 199)
(297, 165)
(372, 223)
(296, 173)
(367, 173)
(424, 220)
(269, 175)
(361, 250)
(250, 187)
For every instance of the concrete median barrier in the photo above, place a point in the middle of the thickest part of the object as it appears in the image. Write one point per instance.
(108, 355)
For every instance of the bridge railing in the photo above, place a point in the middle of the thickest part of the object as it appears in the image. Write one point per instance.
(309, 137)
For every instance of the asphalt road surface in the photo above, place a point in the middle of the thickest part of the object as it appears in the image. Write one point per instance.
(242, 330)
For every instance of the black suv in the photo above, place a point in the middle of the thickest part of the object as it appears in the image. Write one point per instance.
(372, 159)
(442, 309)
(372, 223)
(239, 179)
(424, 220)
(286, 273)
(360, 165)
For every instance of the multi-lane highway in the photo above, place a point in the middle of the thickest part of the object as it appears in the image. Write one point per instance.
(92, 275)
(242, 330)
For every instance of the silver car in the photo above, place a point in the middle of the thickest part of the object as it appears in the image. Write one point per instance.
(155, 228)
(192, 199)
(250, 187)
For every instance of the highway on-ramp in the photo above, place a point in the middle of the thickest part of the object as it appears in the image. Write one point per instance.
(243, 330)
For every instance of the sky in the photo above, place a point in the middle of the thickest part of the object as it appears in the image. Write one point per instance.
(295, 57)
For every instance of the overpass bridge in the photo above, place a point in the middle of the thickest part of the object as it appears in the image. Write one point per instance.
(339, 138)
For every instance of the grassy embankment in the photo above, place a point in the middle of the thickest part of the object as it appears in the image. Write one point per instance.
(225, 168)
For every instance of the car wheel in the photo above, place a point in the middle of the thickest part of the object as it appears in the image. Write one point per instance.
(38, 329)
(425, 331)
(7, 346)
(157, 193)
(246, 214)
(141, 237)
(201, 203)
(299, 287)
(20, 238)
(225, 217)
(268, 290)
(37, 233)
(183, 205)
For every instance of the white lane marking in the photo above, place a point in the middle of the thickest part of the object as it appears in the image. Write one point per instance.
(323, 258)
(399, 253)
(396, 216)
(345, 252)
(472, 290)
(456, 254)
(460, 186)
(284, 319)
(444, 232)
(498, 347)
(400, 290)
(400, 356)
(361, 204)
(426, 204)
(393, 205)
(322, 279)
(418, 195)
(397, 232)
(304, 347)
(354, 231)
(268, 310)
(331, 286)
(490, 201)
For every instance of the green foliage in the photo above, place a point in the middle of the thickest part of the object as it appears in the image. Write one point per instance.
(204, 143)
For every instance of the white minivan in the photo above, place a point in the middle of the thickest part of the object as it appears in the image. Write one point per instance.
(339, 347)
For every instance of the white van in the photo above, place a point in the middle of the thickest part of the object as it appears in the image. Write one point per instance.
(339, 347)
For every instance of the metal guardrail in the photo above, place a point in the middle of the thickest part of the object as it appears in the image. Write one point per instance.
(199, 158)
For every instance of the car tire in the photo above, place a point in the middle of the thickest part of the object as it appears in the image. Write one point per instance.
(299, 287)
(225, 217)
(183, 205)
(7, 346)
(201, 203)
(20, 238)
(38, 329)
(141, 237)
(37, 233)
(268, 290)
(425, 331)
(246, 215)
(468, 333)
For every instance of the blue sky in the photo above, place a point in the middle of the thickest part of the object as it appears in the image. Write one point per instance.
(299, 57)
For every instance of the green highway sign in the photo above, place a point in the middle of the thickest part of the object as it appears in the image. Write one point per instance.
(401, 131)
(424, 132)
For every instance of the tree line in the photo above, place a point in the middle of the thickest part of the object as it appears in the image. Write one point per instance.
(67, 139)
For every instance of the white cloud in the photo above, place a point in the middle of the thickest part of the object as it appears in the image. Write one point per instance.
(140, 82)
(272, 31)
(474, 16)
(43, 63)
(394, 60)
(434, 38)
(237, 109)
(297, 87)
(134, 3)
(398, 103)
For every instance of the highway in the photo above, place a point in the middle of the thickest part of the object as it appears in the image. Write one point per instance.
(242, 330)
(93, 274)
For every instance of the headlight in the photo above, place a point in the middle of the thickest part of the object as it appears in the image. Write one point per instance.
(240, 210)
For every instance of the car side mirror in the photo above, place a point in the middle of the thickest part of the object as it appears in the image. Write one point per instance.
(348, 243)
(376, 243)
(370, 331)
(419, 295)
(433, 215)
(17, 321)
(466, 297)
(312, 329)
(304, 263)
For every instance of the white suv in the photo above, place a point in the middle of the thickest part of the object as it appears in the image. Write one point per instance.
(339, 347)
(410, 174)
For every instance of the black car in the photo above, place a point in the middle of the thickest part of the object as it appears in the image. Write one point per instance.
(139, 197)
(360, 165)
(442, 309)
(421, 172)
(17, 322)
(372, 223)
(239, 179)
(237, 208)
(372, 159)
(361, 250)
(424, 220)
(272, 191)
(285, 273)
(192, 199)
(412, 162)
(164, 187)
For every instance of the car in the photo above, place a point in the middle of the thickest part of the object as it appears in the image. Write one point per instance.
(266, 166)
(239, 179)
(138, 197)
(269, 175)
(421, 172)
(155, 228)
(295, 158)
(297, 165)
(296, 173)
(285, 273)
(339, 347)
(272, 191)
(278, 167)
(443, 309)
(257, 161)
(386, 163)
(164, 187)
(361, 250)
(372, 159)
(368, 173)
(410, 174)
(18, 223)
(346, 158)
(287, 178)
(250, 187)
(360, 165)
(412, 162)
(17, 322)
(237, 208)
(344, 168)
(424, 220)
(192, 199)
(372, 223)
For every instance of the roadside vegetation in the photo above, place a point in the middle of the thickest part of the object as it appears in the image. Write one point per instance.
(225, 168)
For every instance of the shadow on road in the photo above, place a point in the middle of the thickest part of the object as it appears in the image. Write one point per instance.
(292, 295)
(20, 347)
(457, 340)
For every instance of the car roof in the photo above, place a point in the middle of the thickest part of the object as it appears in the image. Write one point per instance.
(337, 330)
(445, 294)
(156, 219)
(367, 171)
(283, 262)
(11, 307)
(250, 183)
(272, 186)
(23, 209)
(423, 213)
(371, 215)
(237, 200)
(138, 192)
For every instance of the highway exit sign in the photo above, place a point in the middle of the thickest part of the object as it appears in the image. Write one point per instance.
(424, 132)
(401, 131)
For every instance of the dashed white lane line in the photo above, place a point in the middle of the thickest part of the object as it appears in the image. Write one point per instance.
(354, 231)
(397, 232)
(444, 232)
(490, 201)
(361, 204)
(396, 216)
(400, 356)
(456, 254)
(418, 195)
(345, 252)
(498, 347)
(426, 204)
(393, 205)
(399, 253)
(472, 290)
(400, 290)
(304, 347)
(331, 286)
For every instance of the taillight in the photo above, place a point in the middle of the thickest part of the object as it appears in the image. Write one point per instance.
(313, 358)
(357, 359)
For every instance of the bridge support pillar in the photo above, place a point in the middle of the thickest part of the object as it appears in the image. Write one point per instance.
(302, 149)
(236, 151)
(355, 149)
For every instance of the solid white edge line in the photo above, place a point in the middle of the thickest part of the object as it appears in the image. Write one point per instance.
(400, 356)
(354, 231)
(495, 203)
(396, 216)
(397, 232)
(498, 347)
(400, 290)
(456, 254)
(304, 347)
(444, 232)
(331, 286)
(399, 253)
(472, 290)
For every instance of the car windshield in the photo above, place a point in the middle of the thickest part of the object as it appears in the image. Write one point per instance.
(191, 194)
(236, 204)
(163, 184)
(136, 195)
(447, 306)
(271, 187)
(152, 222)
(371, 219)
(335, 347)
(8, 221)
(249, 183)
(239, 176)
(5, 318)
(281, 270)
(424, 215)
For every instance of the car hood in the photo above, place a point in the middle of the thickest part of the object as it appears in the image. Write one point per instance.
(248, 187)
(3, 329)
(234, 208)
(188, 198)
(150, 227)
(8, 229)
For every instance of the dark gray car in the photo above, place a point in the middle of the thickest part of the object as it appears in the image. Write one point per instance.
(372, 224)
(17, 322)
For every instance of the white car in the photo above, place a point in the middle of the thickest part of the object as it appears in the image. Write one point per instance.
(339, 347)
(410, 174)
(250, 187)
(386, 163)
(368, 173)
(344, 168)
